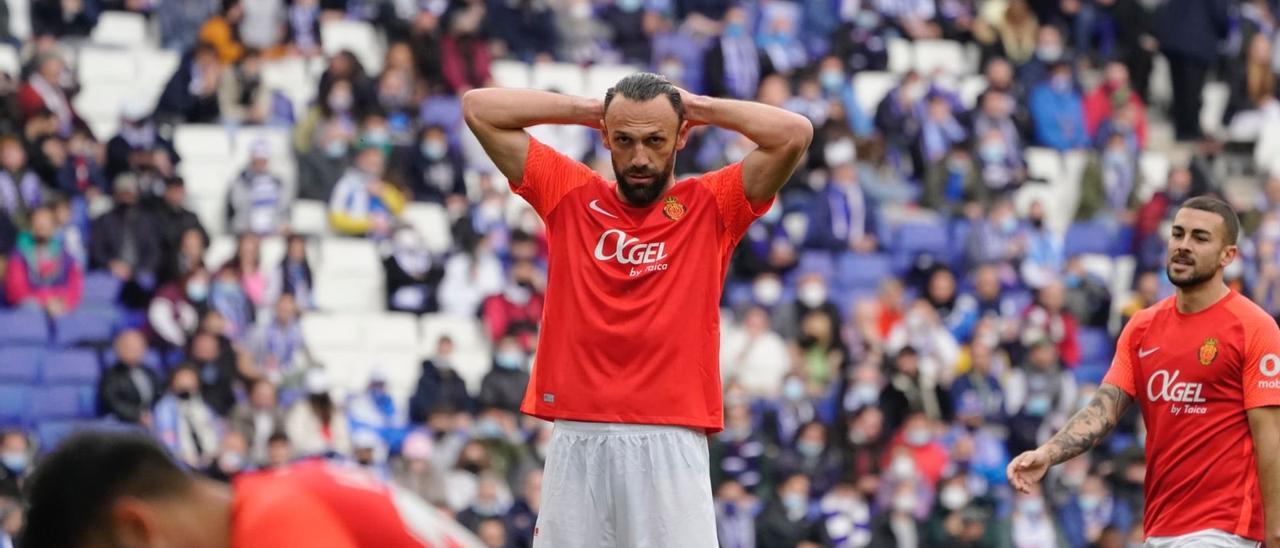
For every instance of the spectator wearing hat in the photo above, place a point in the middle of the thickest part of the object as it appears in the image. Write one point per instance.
(137, 142)
(124, 241)
(184, 423)
(127, 390)
(378, 412)
(439, 386)
(414, 469)
(41, 273)
(258, 202)
(317, 425)
(363, 204)
(257, 418)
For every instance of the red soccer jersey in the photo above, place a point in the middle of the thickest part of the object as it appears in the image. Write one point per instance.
(320, 504)
(631, 321)
(1194, 376)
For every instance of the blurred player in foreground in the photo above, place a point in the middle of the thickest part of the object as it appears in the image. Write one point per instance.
(1204, 366)
(117, 489)
(627, 358)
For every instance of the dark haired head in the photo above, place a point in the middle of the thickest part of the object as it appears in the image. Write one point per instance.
(642, 136)
(643, 87)
(1201, 245)
(1230, 221)
(74, 487)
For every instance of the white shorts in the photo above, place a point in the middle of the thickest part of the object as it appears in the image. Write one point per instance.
(626, 486)
(1208, 538)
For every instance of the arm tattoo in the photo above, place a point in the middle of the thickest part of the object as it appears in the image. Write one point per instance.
(1089, 425)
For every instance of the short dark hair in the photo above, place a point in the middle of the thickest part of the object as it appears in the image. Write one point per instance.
(644, 86)
(73, 487)
(1222, 209)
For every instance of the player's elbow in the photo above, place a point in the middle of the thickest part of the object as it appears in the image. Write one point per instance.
(472, 105)
(800, 132)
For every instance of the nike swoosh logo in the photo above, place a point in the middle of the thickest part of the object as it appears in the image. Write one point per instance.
(1142, 353)
(595, 204)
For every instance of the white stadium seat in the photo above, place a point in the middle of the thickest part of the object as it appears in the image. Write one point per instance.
(273, 250)
(349, 294)
(567, 78)
(20, 18)
(601, 77)
(120, 28)
(901, 57)
(309, 217)
(100, 103)
(947, 55)
(466, 333)
(155, 68)
(870, 87)
(971, 87)
(348, 257)
(1215, 96)
(104, 65)
(330, 331)
(10, 63)
(391, 331)
(432, 222)
(202, 141)
(472, 365)
(510, 74)
(222, 248)
(1044, 164)
(358, 37)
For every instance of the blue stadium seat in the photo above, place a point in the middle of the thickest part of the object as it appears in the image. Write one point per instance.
(960, 228)
(1095, 345)
(917, 237)
(85, 327)
(1090, 373)
(50, 432)
(23, 327)
(816, 262)
(62, 402)
(100, 290)
(71, 367)
(14, 400)
(20, 364)
(855, 271)
(152, 359)
(1089, 237)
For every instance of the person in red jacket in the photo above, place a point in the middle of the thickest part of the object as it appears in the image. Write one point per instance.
(1114, 88)
(46, 90)
(41, 272)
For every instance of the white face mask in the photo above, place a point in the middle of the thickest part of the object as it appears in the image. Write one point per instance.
(812, 295)
(902, 468)
(905, 504)
(767, 291)
(954, 497)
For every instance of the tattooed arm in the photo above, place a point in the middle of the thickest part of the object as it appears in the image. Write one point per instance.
(1080, 434)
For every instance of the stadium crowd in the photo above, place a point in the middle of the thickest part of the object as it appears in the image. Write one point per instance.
(925, 300)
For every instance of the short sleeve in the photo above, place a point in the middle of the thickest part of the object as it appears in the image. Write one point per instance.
(731, 199)
(1261, 370)
(1121, 373)
(548, 177)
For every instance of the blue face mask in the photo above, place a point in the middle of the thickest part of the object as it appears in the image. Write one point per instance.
(197, 291)
(809, 449)
(867, 19)
(433, 150)
(629, 6)
(735, 30)
(15, 462)
(509, 360)
(336, 149)
(831, 79)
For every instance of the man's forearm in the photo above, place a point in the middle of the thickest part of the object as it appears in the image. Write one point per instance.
(512, 109)
(1264, 425)
(768, 127)
(1088, 425)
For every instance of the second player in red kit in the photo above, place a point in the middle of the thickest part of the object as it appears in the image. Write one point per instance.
(1204, 367)
(628, 355)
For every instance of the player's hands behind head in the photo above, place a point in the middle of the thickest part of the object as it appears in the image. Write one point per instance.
(1027, 469)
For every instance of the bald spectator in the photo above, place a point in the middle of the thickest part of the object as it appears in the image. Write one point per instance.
(128, 390)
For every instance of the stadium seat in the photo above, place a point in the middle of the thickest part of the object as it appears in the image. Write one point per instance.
(273, 249)
(1154, 167)
(9, 62)
(100, 290)
(1043, 164)
(155, 67)
(870, 87)
(348, 257)
(345, 293)
(23, 326)
(292, 77)
(1214, 99)
(971, 87)
(432, 222)
(105, 66)
(1095, 345)
(946, 55)
(466, 333)
(101, 102)
(816, 262)
(310, 217)
(20, 364)
(331, 331)
(62, 402)
(509, 73)
(390, 331)
(566, 78)
(601, 77)
(85, 326)
(1089, 237)
(120, 28)
(51, 432)
(14, 404)
(222, 248)
(901, 56)
(202, 141)
(855, 271)
(472, 365)
(71, 367)
(358, 37)
(916, 237)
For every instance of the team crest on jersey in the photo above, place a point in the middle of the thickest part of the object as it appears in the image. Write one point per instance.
(1208, 351)
(673, 209)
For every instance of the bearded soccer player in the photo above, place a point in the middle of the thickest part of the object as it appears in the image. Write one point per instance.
(116, 489)
(1204, 366)
(627, 358)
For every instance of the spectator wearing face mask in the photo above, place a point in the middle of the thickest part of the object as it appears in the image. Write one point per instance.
(789, 519)
(439, 385)
(317, 425)
(1114, 92)
(321, 165)
(843, 216)
(41, 273)
(1031, 523)
(738, 452)
(127, 390)
(1057, 111)
(362, 203)
(184, 423)
(1049, 320)
(412, 274)
(15, 461)
(735, 515)
(232, 458)
(492, 500)
(256, 419)
(504, 386)
(137, 142)
(278, 346)
(522, 517)
(813, 456)
(957, 520)
(1109, 187)
(754, 356)
(125, 242)
(518, 309)
(733, 66)
(435, 168)
(1037, 394)
(1089, 513)
(258, 202)
(174, 313)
